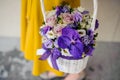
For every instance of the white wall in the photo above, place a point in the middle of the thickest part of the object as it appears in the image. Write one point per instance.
(108, 15)
(10, 18)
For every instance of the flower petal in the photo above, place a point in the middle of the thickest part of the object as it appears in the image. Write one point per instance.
(69, 32)
(76, 50)
(89, 50)
(63, 42)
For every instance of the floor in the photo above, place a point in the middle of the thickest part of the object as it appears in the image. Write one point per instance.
(103, 65)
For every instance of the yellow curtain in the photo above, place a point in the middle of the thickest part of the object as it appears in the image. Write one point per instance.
(30, 41)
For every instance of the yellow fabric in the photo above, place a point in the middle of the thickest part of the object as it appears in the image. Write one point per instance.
(31, 20)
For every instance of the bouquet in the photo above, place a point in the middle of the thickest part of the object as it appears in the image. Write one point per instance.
(67, 35)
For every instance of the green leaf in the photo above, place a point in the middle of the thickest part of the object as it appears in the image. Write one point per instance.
(63, 3)
(58, 19)
(96, 35)
(53, 7)
(43, 23)
(71, 10)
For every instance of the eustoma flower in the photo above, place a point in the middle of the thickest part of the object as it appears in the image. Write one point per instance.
(96, 24)
(45, 29)
(77, 17)
(71, 39)
(62, 9)
(88, 42)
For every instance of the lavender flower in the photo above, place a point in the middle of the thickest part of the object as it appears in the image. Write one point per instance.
(70, 39)
(77, 17)
(85, 12)
(58, 10)
(73, 25)
(62, 9)
(65, 9)
(96, 24)
(45, 29)
(88, 38)
(88, 41)
(48, 44)
(89, 50)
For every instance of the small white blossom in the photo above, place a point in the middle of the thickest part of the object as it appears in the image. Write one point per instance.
(51, 35)
(80, 9)
(44, 39)
(82, 32)
(65, 52)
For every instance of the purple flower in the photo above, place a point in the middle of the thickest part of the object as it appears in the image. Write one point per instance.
(62, 9)
(65, 9)
(77, 17)
(88, 41)
(70, 39)
(45, 29)
(58, 10)
(85, 12)
(96, 24)
(89, 50)
(73, 25)
(48, 44)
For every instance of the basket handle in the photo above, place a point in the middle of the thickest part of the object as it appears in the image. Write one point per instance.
(95, 7)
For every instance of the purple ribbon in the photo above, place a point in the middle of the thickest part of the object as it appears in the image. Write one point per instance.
(54, 56)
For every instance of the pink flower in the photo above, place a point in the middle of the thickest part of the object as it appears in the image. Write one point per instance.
(67, 18)
(51, 21)
(58, 29)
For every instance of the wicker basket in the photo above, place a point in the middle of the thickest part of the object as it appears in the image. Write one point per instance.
(70, 66)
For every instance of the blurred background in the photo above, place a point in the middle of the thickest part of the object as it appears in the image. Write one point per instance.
(104, 65)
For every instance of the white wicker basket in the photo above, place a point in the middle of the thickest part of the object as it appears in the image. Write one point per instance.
(70, 66)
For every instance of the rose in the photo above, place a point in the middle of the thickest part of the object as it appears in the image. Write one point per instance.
(58, 29)
(51, 18)
(67, 18)
(51, 21)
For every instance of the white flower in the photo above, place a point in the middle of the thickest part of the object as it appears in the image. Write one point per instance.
(56, 44)
(80, 9)
(65, 52)
(44, 39)
(88, 26)
(48, 44)
(40, 29)
(50, 35)
(82, 32)
(83, 24)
